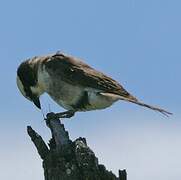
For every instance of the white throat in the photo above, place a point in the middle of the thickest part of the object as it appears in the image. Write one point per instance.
(38, 90)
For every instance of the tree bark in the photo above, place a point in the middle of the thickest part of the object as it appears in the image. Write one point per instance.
(64, 159)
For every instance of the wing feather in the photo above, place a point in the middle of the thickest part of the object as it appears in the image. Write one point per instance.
(76, 72)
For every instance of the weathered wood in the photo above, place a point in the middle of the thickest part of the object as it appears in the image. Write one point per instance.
(58, 131)
(67, 160)
(38, 142)
(122, 175)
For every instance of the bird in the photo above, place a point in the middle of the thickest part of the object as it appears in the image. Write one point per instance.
(72, 84)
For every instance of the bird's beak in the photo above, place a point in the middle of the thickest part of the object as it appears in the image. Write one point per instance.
(36, 101)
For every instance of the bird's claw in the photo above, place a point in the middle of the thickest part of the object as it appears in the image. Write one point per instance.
(51, 116)
(66, 114)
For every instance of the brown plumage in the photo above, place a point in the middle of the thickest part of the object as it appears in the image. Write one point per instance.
(73, 84)
(75, 72)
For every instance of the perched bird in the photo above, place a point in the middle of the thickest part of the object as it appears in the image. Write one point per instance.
(72, 84)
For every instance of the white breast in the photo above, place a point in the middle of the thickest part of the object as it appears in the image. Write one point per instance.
(61, 92)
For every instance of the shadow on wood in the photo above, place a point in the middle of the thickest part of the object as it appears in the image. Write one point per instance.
(67, 160)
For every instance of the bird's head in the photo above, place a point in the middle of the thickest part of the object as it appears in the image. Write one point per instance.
(27, 82)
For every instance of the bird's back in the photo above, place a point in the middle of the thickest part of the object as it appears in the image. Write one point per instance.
(76, 72)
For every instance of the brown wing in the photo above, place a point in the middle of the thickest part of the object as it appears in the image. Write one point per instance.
(74, 71)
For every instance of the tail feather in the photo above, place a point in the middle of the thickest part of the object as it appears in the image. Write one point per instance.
(135, 101)
(132, 99)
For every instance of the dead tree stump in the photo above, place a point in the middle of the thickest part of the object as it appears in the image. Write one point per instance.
(64, 159)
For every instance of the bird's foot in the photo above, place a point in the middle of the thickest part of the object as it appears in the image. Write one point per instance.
(66, 114)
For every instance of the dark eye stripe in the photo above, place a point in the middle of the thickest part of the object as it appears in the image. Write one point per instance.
(28, 77)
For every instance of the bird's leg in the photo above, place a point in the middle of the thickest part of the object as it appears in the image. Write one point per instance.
(66, 114)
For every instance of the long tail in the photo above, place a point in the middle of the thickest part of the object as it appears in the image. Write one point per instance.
(135, 101)
(132, 99)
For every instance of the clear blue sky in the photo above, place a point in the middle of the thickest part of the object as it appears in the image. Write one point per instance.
(137, 42)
